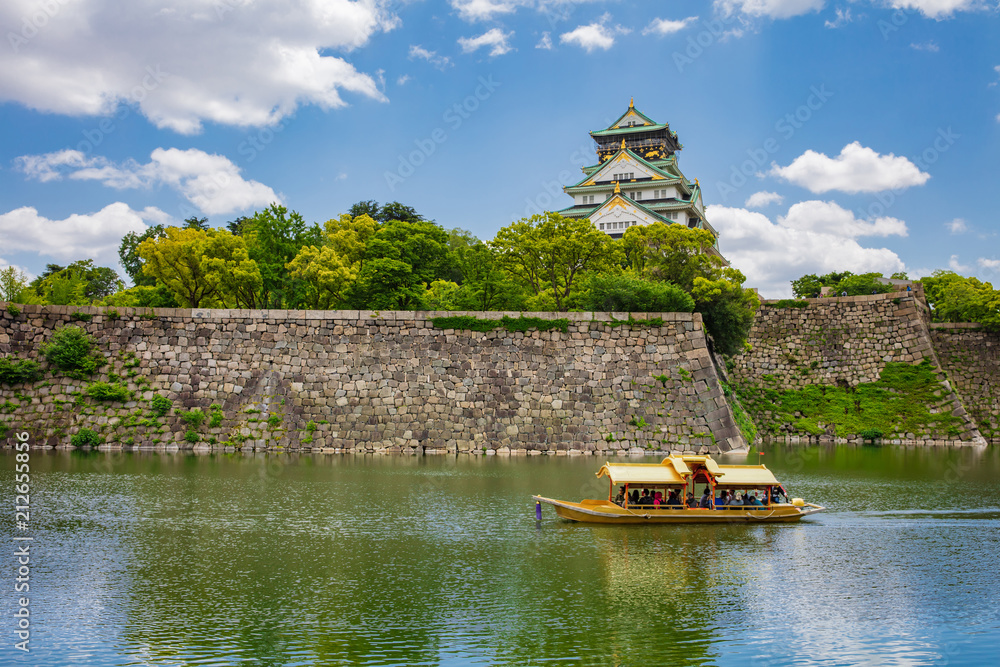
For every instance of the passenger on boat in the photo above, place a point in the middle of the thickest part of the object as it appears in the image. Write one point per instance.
(723, 499)
(674, 499)
(734, 500)
(657, 499)
(633, 498)
(646, 499)
(620, 498)
(706, 499)
(754, 500)
(691, 502)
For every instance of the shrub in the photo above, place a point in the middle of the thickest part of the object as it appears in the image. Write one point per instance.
(630, 294)
(192, 435)
(104, 391)
(71, 349)
(13, 310)
(81, 317)
(274, 420)
(15, 371)
(160, 405)
(85, 437)
(216, 419)
(193, 417)
(311, 426)
(112, 314)
(791, 303)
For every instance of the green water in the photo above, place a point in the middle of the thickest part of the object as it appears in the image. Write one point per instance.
(153, 559)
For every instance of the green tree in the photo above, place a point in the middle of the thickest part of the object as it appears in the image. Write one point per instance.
(955, 298)
(128, 253)
(78, 284)
(442, 295)
(551, 254)
(672, 253)
(628, 293)
(327, 275)
(202, 268)
(13, 283)
(274, 237)
(484, 285)
(728, 309)
(142, 296)
(194, 222)
(387, 284)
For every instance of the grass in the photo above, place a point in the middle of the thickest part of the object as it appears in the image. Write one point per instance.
(104, 391)
(899, 402)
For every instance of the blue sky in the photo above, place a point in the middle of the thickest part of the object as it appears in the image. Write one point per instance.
(826, 135)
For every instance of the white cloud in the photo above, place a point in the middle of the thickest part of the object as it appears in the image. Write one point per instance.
(775, 9)
(210, 182)
(402, 79)
(663, 27)
(931, 47)
(28, 275)
(597, 35)
(957, 226)
(96, 235)
(185, 65)
(989, 264)
(937, 9)
(843, 17)
(856, 169)
(956, 265)
(545, 42)
(440, 62)
(773, 254)
(496, 39)
(484, 10)
(762, 199)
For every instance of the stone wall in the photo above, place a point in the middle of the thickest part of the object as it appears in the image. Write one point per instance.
(390, 381)
(844, 341)
(970, 357)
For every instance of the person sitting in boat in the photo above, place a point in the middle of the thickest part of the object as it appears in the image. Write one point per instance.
(633, 498)
(674, 499)
(706, 499)
(646, 499)
(723, 499)
(691, 502)
(620, 498)
(754, 501)
(735, 500)
(657, 499)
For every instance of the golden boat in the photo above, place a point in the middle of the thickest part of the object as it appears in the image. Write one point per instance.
(730, 495)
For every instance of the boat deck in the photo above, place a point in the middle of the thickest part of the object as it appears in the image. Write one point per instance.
(605, 511)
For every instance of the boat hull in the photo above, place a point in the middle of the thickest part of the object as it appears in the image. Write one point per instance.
(603, 511)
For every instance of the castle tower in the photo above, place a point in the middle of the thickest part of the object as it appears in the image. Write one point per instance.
(637, 180)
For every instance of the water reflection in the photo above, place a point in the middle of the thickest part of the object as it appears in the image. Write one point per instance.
(278, 560)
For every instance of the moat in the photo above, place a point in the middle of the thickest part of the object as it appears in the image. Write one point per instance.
(219, 559)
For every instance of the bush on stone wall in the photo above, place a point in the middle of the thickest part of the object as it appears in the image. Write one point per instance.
(71, 349)
(16, 371)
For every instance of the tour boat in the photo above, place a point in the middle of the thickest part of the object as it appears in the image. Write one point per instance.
(682, 476)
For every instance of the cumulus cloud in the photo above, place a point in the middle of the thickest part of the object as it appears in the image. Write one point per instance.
(957, 226)
(185, 65)
(210, 182)
(989, 264)
(762, 199)
(938, 9)
(813, 237)
(94, 235)
(597, 35)
(484, 10)
(495, 39)
(775, 9)
(440, 62)
(955, 265)
(664, 27)
(856, 169)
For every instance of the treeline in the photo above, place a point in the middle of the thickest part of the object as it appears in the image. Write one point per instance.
(389, 257)
(951, 297)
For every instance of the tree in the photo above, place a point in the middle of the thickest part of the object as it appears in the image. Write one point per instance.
(810, 285)
(442, 295)
(79, 284)
(728, 309)
(202, 267)
(274, 237)
(954, 298)
(391, 211)
(484, 285)
(194, 222)
(128, 253)
(13, 283)
(369, 208)
(349, 236)
(326, 273)
(550, 254)
(628, 293)
(388, 284)
(421, 244)
(672, 253)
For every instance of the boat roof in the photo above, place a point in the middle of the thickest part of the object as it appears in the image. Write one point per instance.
(676, 469)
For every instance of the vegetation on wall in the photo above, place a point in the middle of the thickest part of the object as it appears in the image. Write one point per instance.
(17, 371)
(470, 323)
(954, 298)
(74, 351)
(900, 402)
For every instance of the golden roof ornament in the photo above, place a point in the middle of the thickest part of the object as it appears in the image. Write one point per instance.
(618, 189)
(631, 103)
(623, 144)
